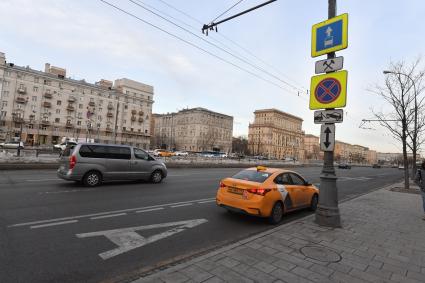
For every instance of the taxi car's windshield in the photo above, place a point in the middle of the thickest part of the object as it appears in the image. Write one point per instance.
(252, 175)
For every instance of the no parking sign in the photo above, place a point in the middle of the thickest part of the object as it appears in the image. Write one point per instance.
(328, 90)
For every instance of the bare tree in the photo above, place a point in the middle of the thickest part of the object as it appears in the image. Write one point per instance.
(402, 92)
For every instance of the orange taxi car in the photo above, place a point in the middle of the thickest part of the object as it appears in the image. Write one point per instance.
(266, 192)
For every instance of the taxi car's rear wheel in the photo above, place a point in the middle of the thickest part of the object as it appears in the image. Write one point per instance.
(314, 202)
(277, 213)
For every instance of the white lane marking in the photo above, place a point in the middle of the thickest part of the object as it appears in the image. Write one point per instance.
(53, 224)
(180, 205)
(127, 239)
(147, 210)
(42, 180)
(102, 213)
(107, 216)
(206, 201)
(67, 191)
(353, 179)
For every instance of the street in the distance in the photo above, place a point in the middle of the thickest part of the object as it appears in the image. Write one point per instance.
(56, 230)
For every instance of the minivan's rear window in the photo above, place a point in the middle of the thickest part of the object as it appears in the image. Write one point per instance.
(68, 150)
(100, 151)
(252, 175)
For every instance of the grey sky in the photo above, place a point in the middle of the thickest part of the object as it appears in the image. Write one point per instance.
(93, 41)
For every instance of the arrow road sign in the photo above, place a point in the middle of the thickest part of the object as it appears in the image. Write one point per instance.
(327, 137)
(328, 116)
(329, 65)
(128, 239)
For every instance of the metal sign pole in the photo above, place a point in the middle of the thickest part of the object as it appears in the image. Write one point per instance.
(327, 213)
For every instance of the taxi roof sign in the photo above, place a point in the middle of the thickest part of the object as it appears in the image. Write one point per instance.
(328, 90)
(329, 36)
(261, 168)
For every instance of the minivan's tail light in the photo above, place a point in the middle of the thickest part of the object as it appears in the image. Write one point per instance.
(222, 185)
(72, 161)
(259, 191)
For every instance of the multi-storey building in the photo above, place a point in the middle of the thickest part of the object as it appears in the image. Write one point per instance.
(312, 147)
(276, 134)
(43, 107)
(345, 152)
(196, 129)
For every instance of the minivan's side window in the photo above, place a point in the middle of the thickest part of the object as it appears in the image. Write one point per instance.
(116, 152)
(140, 154)
(93, 151)
(297, 180)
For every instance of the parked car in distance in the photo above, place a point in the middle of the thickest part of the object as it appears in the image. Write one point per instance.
(63, 145)
(12, 145)
(376, 165)
(181, 153)
(163, 153)
(401, 167)
(344, 166)
(92, 164)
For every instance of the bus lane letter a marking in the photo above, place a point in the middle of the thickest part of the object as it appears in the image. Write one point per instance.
(128, 239)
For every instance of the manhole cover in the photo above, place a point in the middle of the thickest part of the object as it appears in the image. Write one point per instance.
(320, 253)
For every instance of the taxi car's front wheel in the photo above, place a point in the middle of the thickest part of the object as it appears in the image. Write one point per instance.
(277, 213)
(314, 202)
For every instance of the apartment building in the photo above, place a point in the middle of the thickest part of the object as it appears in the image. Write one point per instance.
(43, 107)
(276, 134)
(312, 147)
(195, 129)
(345, 152)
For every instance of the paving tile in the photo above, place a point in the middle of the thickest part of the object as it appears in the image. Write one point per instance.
(295, 260)
(175, 277)
(214, 279)
(228, 262)
(254, 273)
(403, 279)
(345, 278)
(207, 265)
(415, 275)
(326, 271)
(342, 268)
(288, 277)
(286, 265)
(229, 275)
(196, 274)
(394, 269)
(265, 267)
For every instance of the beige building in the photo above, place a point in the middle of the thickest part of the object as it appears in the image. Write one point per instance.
(44, 107)
(276, 134)
(196, 129)
(312, 147)
(345, 152)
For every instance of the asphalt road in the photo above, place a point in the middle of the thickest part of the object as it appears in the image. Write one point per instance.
(47, 226)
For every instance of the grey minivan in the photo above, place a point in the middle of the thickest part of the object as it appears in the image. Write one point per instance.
(93, 163)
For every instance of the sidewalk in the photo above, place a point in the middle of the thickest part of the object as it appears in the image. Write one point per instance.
(382, 240)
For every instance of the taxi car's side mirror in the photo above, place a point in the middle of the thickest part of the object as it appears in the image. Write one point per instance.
(307, 183)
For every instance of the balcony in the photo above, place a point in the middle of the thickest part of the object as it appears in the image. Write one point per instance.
(69, 125)
(47, 104)
(20, 99)
(108, 130)
(133, 112)
(18, 119)
(70, 108)
(48, 95)
(22, 90)
(91, 103)
(45, 123)
(110, 114)
(133, 118)
(110, 107)
(140, 120)
(141, 113)
(71, 99)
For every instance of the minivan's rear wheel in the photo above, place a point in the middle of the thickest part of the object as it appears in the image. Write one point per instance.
(92, 179)
(277, 213)
(156, 177)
